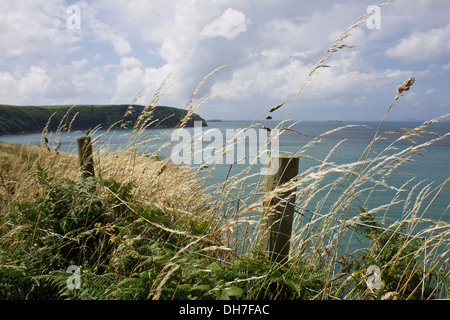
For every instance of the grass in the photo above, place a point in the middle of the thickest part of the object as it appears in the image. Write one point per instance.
(145, 228)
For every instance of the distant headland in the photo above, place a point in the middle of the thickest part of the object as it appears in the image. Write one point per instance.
(29, 119)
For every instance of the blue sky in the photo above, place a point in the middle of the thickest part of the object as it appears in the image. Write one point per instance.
(267, 48)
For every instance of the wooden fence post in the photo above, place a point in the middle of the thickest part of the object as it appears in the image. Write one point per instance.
(85, 157)
(278, 213)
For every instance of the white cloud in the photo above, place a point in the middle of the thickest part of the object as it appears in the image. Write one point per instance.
(30, 28)
(79, 64)
(32, 86)
(129, 81)
(7, 85)
(108, 33)
(181, 36)
(35, 81)
(143, 11)
(313, 32)
(130, 62)
(268, 48)
(280, 82)
(229, 25)
(89, 82)
(132, 77)
(121, 45)
(422, 46)
(261, 77)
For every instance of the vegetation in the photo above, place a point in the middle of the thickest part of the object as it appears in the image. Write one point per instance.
(129, 247)
(26, 119)
(145, 228)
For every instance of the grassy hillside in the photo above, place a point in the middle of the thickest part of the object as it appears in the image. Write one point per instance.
(49, 218)
(23, 119)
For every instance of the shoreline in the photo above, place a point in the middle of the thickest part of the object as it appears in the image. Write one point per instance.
(22, 133)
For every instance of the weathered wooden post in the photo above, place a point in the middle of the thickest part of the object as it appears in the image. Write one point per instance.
(85, 157)
(278, 213)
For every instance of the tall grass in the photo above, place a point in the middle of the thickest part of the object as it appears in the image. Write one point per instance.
(145, 228)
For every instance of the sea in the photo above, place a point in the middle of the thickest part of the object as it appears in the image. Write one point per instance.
(338, 142)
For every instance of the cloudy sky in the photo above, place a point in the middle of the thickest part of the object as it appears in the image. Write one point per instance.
(106, 52)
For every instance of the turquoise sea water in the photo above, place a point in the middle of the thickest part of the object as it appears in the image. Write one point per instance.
(432, 167)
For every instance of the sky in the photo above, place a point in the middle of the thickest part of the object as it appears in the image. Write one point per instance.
(55, 52)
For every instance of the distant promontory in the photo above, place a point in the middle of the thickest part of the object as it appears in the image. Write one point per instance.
(29, 119)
